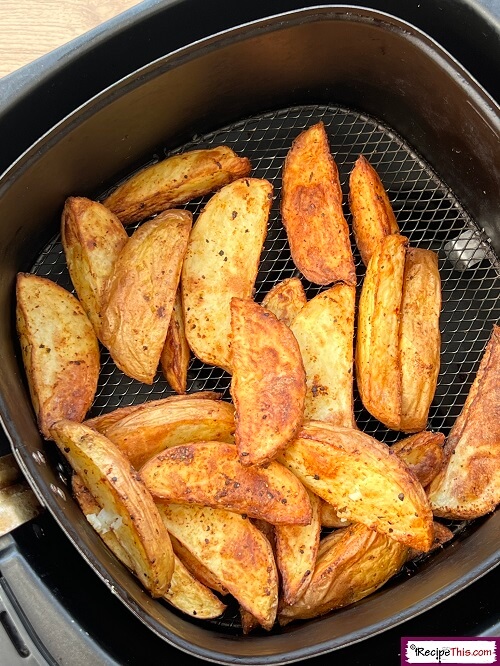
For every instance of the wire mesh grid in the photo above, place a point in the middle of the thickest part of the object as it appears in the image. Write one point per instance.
(427, 212)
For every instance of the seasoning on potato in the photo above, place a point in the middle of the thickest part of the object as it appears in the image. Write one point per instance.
(286, 299)
(221, 262)
(311, 208)
(175, 180)
(59, 350)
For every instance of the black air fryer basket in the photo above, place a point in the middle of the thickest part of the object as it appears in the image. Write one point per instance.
(383, 89)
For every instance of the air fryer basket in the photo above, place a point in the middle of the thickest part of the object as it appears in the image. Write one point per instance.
(422, 186)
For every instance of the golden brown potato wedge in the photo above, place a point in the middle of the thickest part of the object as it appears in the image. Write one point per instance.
(442, 535)
(286, 299)
(221, 262)
(162, 424)
(324, 329)
(141, 293)
(468, 486)
(422, 453)
(59, 350)
(185, 591)
(209, 474)
(248, 621)
(378, 356)
(419, 337)
(311, 209)
(268, 385)
(329, 516)
(296, 551)
(362, 479)
(118, 490)
(232, 548)
(352, 563)
(372, 214)
(174, 181)
(196, 567)
(92, 238)
(176, 354)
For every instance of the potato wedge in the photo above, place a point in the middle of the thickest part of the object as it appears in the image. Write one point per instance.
(185, 592)
(353, 563)
(221, 262)
(329, 516)
(442, 535)
(209, 474)
(175, 356)
(92, 238)
(419, 337)
(422, 453)
(196, 567)
(296, 551)
(372, 214)
(141, 293)
(236, 552)
(175, 180)
(362, 480)
(311, 208)
(378, 356)
(164, 424)
(268, 385)
(118, 490)
(468, 486)
(59, 350)
(286, 299)
(324, 329)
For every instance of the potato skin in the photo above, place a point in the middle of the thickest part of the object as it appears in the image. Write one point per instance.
(311, 208)
(175, 180)
(286, 299)
(423, 454)
(175, 356)
(372, 214)
(141, 292)
(468, 486)
(59, 349)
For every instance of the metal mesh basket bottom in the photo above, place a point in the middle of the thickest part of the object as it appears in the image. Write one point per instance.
(427, 213)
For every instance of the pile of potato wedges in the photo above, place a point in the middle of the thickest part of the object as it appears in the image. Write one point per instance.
(274, 497)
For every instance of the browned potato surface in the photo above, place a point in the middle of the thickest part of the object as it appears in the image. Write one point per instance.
(141, 293)
(175, 180)
(311, 208)
(196, 567)
(268, 385)
(117, 489)
(423, 453)
(352, 563)
(92, 238)
(286, 299)
(209, 474)
(176, 354)
(362, 480)
(372, 214)
(236, 552)
(221, 262)
(324, 329)
(59, 349)
(469, 484)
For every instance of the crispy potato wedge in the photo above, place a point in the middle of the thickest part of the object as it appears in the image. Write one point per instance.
(422, 453)
(352, 563)
(419, 337)
(329, 516)
(175, 180)
(324, 329)
(59, 348)
(248, 621)
(210, 474)
(362, 479)
(311, 208)
(296, 551)
(286, 299)
(378, 356)
(196, 567)
(185, 592)
(163, 424)
(442, 535)
(175, 356)
(92, 238)
(221, 262)
(141, 293)
(468, 486)
(236, 552)
(372, 214)
(268, 385)
(118, 490)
